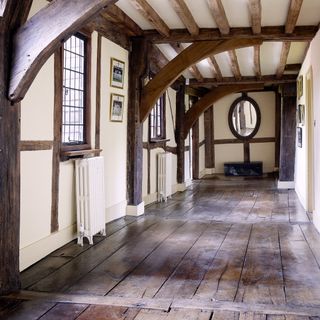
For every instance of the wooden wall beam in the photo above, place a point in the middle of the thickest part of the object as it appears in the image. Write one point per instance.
(35, 145)
(157, 60)
(138, 62)
(209, 99)
(180, 141)
(274, 34)
(191, 55)
(209, 138)
(267, 80)
(42, 34)
(152, 16)
(185, 15)
(98, 94)
(293, 67)
(13, 16)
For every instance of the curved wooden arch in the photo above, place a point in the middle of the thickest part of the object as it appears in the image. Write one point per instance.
(40, 36)
(191, 55)
(211, 97)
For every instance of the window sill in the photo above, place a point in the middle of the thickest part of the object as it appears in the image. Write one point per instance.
(67, 155)
(159, 140)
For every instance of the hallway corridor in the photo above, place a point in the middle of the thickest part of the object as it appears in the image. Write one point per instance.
(224, 249)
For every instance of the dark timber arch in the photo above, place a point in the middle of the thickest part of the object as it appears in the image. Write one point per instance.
(40, 36)
(206, 102)
(169, 73)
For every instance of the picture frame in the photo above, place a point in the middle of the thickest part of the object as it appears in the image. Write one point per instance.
(299, 137)
(116, 107)
(301, 114)
(300, 87)
(117, 68)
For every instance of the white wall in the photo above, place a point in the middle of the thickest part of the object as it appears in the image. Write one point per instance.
(311, 62)
(36, 240)
(264, 152)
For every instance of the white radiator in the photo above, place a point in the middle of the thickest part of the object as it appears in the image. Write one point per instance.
(90, 198)
(164, 176)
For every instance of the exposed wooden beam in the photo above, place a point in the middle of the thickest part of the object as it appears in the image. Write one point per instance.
(219, 15)
(196, 92)
(42, 34)
(234, 64)
(301, 33)
(266, 79)
(293, 67)
(283, 58)
(193, 69)
(255, 12)
(35, 145)
(257, 63)
(115, 14)
(151, 15)
(215, 66)
(110, 30)
(185, 15)
(210, 98)
(293, 14)
(157, 60)
(191, 55)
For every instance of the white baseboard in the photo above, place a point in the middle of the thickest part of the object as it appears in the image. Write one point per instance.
(286, 184)
(210, 171)
(135, 210)
(150, 198)
(116, 211)
(38, 250)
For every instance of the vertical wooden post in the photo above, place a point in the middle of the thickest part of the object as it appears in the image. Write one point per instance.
(98, 94)
(9, 175)
(288, 133)
(137, 71)
(277, 128)
(180, 111)
(195, 145)
(209, 138)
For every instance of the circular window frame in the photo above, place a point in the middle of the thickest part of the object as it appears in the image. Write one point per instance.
(257, 127)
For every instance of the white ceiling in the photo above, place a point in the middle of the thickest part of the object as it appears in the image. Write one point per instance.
(274, 13)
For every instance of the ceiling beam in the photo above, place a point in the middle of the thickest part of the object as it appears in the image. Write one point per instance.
(257, 63)
(115, 14)
(191, 55)
(209, 99)
(301, 33)
(215, 68)
(293, 14)
(234, 64)
(185, 15)
(293, 67)
(157, 60)
(151, 15)
(219, 15)
(267, 79)
(42, 34)
(283, 58)
(255, 12)
(192, 69)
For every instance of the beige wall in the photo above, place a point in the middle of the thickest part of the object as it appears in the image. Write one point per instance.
(264, 152)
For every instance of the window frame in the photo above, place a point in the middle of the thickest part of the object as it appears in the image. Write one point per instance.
(162, 105)
(64, 147)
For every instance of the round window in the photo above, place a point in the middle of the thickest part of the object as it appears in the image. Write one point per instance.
(244, 118)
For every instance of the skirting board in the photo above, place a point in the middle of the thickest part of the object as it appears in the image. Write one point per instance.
(38, 250)
(286, 184)
(135, 210)
(116, 211)
(150, 198)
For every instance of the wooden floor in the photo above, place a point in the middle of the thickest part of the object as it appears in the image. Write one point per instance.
(225, 249)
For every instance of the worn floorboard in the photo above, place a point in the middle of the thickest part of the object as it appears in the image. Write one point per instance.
(227, 248)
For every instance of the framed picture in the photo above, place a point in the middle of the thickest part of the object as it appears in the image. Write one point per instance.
(300, 87)
(299, 137)
(301, 114)
(116, 107)
(117, 73)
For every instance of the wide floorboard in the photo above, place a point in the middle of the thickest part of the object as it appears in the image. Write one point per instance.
(224, 249)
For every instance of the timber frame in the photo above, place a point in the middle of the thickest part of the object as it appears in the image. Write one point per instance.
(27, 45)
